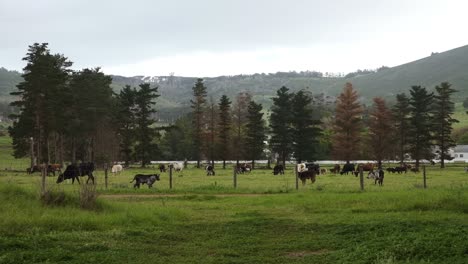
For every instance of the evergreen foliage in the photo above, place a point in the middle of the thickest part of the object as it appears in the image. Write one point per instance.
(256, 132)
(381, 131)
(198, 104)
(224, 128)
(280, 124)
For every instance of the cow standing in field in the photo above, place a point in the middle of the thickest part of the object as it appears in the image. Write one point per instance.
(116, 169)
(162, 168)
(336, 169)
(209, 170)
(74, 171)
(348, 167)
(278, 169)
(307, 174)
(377, 176)
(177, 166)
(142, 179)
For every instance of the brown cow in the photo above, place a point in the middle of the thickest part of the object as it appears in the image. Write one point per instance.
(308, 174)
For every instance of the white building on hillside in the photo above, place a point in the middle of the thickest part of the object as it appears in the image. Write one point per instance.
(460, 153)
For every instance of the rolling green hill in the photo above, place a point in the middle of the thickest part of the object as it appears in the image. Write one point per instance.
(176, 91)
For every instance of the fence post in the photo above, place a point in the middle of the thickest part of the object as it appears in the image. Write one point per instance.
(235, 176)
(170, 177)
(361, 178)
(424, 176)
(296, 173)
(106, 168)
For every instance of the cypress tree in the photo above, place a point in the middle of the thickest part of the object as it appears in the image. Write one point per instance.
(401, 111)
(380, 130)
(348, 125)
(125, 120)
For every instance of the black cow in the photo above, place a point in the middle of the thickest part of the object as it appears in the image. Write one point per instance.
(313, 167)
(162, 168)
(348, 167)
(74, 171)
(308, 174)
(142, 179)
(278, 169)
(209, 170)
(401, 169)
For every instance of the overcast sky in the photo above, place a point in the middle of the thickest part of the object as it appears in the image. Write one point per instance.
(219, 37)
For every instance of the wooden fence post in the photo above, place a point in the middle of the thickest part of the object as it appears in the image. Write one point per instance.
(424, 176)
(296, 173)
(361, 178)
(235, 176)
(106, 168)
(170, 177)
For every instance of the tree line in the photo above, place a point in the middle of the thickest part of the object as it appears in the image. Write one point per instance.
(70, 115)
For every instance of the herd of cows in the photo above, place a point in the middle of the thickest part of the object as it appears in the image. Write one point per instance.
(305, 171)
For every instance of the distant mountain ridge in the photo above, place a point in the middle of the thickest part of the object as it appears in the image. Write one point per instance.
(176, 91)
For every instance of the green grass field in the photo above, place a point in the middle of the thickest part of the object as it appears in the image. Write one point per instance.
(203, 219)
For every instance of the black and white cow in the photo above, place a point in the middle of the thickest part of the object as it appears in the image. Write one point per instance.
(149, 179)
(209, 170)
(377, 176)
(74, 171)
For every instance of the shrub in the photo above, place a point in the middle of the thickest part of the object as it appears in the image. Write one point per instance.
(88, 197)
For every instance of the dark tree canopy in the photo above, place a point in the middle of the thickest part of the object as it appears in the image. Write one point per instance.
(280, 124)
(421, 124)
(381, 131)
(443, 111)
(224, 128)
(401, 112)
(256, 132)
(198, 104)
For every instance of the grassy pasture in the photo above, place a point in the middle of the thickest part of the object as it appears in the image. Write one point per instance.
(203, 219)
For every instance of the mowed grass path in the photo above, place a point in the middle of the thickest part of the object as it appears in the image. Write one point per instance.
(203, 219)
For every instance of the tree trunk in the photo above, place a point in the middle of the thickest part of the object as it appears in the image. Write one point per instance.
(253, 164)
(73, 159)
(224, 164)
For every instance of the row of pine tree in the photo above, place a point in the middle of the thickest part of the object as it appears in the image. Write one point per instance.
(67, 115)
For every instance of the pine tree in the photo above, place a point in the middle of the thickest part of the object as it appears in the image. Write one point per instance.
(380, 130)
(44, 81)
(443, 111)
(211, 131)
(256, 132)
(224, 128)
(305, 130)
(144, 100)
(421, 123)
(199, 112)
(90, 108)
(280, 124)
(401, 111)
(125, 120)
(348, 125)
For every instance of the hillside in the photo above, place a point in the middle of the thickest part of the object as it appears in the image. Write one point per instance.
(176, 91)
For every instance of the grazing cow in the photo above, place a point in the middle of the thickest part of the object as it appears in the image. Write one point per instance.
(162, 168)
(75, 171)
(117, 168)
(177, 166)
(392, 170)
(378, 176)
(278, 169)
(348, 167)
(243, 168)
(209, 170)
(335, 169)
(323, 171)
(51, 168)
(366, 167)
(307, 174)
(400, 169)
(142, 179)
